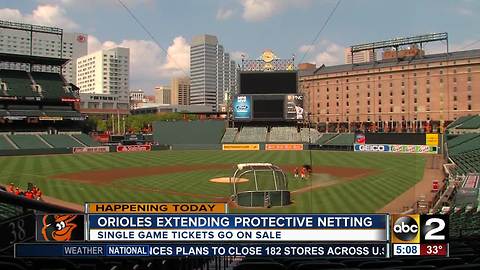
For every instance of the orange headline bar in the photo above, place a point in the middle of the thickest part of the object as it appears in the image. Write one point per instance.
(156, 208)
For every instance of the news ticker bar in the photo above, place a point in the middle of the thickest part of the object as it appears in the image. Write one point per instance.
(331, 250)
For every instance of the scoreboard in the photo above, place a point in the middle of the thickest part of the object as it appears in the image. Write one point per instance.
(268, 96)
(273, 107)
(208, 229)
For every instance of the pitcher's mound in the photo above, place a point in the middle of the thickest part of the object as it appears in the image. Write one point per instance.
(226, 180)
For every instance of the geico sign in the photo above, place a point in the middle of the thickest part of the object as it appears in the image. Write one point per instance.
(372, 147)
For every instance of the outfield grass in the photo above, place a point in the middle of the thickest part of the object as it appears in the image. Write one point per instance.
(396, 173)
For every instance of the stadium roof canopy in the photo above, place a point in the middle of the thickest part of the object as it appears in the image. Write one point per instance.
(32, 59)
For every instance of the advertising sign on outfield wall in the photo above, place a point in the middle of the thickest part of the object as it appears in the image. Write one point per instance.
(134, 148)
(396, 148)
(372, 147)
(281, 146)
(240, 147)
(431, 139)
(96, 149)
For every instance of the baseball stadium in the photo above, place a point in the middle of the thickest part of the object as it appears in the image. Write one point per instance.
(262, 156)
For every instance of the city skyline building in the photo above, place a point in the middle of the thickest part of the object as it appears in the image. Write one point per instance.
(16, 40)
(105, 72)
(180, 90)
(163, 94)
(210, 72)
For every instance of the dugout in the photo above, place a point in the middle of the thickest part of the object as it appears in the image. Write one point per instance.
(267, 185)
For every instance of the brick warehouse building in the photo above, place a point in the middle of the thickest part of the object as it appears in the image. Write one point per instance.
(422, 93)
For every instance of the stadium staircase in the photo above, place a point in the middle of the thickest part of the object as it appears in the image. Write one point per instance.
(6, 143)
(326, 137)
(85, 139)
(44, 141)
(52, 84)
(309, 135)
(28, 141)
(18, 83)
(78, 141)
(60, 141)
(342, 139)
(229, 135)
(267, 137)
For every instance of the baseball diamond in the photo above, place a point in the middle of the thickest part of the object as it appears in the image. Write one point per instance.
(341, 181)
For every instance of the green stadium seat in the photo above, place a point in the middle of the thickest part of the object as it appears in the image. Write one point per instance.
(460, 139)
(472, 123)
(229, 136)
(343, 139)
(61, 141)
(309, 135)
(85, 139)
(459, 121)
(52, 84)
(284, 134)
(252, 134)
(18, 83)
(5, 144)
(24, 141)
(326, 137)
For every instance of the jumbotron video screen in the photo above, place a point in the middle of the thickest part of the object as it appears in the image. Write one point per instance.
(268, 82)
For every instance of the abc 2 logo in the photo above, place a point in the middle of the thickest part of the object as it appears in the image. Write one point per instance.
(419, 229)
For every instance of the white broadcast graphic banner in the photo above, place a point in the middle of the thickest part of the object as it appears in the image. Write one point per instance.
(295, 235)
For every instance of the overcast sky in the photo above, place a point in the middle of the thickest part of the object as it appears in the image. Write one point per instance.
(247, 27)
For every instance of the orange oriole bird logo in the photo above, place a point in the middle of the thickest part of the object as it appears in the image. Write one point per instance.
(58, 227)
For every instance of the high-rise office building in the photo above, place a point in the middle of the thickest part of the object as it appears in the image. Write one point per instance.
(210, 72)
(180, 91)
(105, 72)
(163, 95)
(358, 57)
(16, 40)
